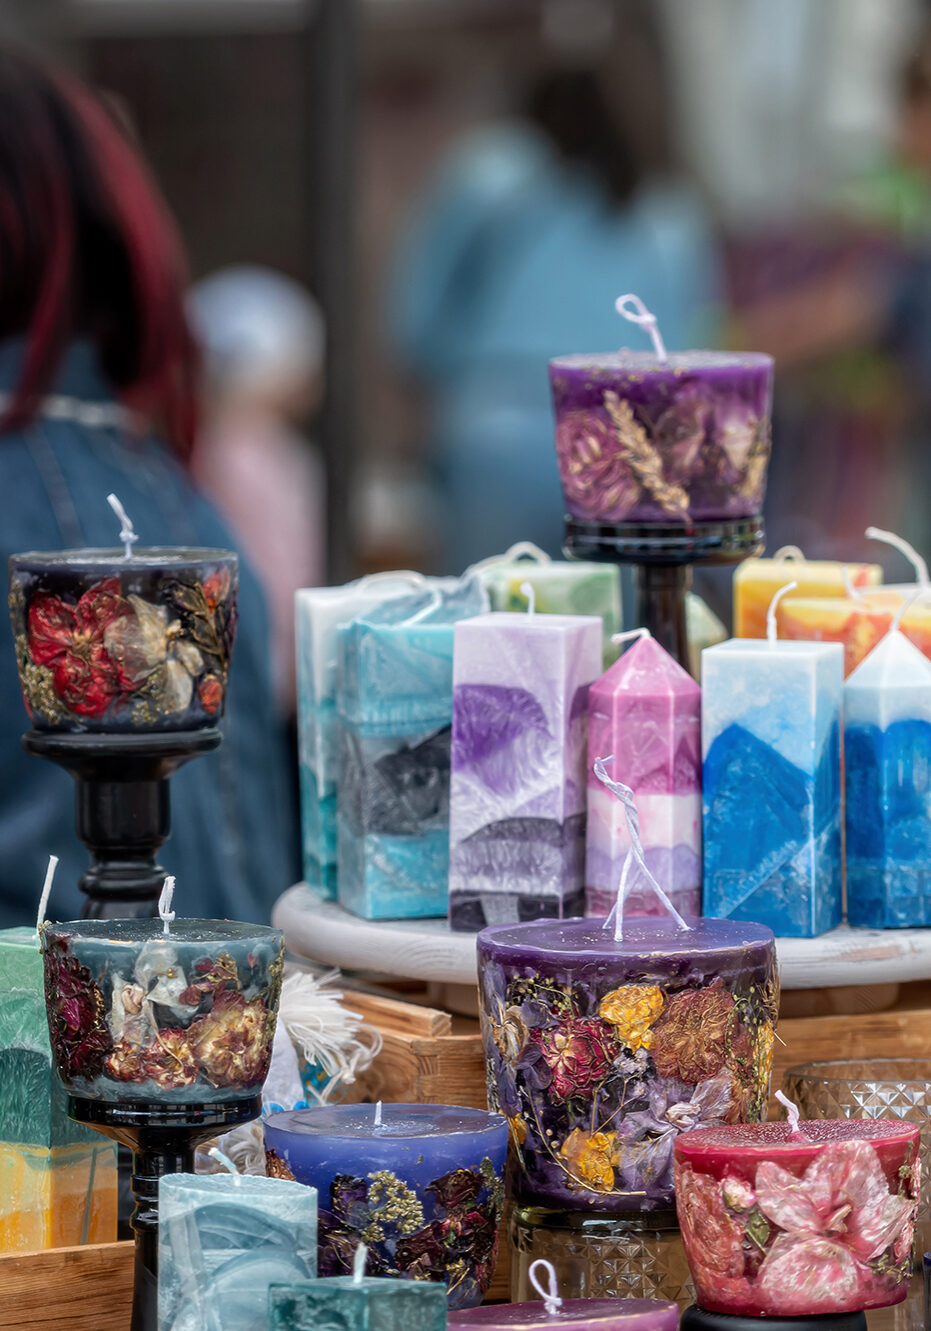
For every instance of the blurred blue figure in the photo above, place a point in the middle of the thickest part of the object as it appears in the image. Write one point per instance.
(516, 254)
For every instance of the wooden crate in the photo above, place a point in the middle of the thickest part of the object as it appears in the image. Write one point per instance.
(68, 1289)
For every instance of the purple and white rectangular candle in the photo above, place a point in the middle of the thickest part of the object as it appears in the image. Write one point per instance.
(517, 795)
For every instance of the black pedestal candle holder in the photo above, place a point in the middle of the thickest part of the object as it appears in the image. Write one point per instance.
(662, 556)
(162, 1138)
(696, 1319)
(122, 808)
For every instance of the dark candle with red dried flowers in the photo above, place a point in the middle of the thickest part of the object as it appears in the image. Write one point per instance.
(140, 1015)
(108, 643)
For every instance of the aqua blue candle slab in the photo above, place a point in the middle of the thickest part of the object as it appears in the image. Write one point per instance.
(771, 777)
(424, 1189)
(319, 613)
(395, 716)
(59, 1177)
(183, 1018)
(371, 1304)
(887, 757)
(223, 1239)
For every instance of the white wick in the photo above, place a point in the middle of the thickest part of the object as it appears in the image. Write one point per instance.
(46, 890)
(793, 1115)
(550, 1296)
(786, 552)
(772, 635)
(127, 532)
(907, 603)
(165, 913)
(628, 636)
(909, 551)
(645, 318)
(358, 1263)
(378, 1122)
(853, 593)
(228, 1164)
(626, 796)
(527, 589)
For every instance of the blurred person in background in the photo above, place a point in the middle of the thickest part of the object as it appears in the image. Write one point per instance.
(516, 253)
(92, 312)
(264, 339)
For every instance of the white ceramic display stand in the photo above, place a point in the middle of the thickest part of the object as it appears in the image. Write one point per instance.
(428, 950)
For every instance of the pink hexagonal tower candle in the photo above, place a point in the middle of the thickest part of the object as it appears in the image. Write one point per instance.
(646, 712)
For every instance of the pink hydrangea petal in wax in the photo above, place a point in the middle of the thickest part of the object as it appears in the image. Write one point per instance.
(639, 439)
(777, 1226)
(600, 1051)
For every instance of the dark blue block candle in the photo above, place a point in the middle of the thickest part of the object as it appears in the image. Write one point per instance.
(110, 642)
(422, 1188)
(887, 749)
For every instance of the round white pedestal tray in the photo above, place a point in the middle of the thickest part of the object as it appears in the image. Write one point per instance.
(428, 949)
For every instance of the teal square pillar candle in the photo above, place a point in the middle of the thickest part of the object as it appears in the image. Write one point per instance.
(341, 1303)
(223, 1239)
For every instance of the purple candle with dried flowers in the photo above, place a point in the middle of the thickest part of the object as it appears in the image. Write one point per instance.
(179, 1013)
(645, 439)
(107, 641)
(600, 1051)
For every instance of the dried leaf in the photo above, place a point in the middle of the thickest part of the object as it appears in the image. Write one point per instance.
(643, 459)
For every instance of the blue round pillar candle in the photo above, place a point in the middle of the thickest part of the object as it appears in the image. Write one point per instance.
(421, 1185)
(600, 1052)
(106, 642)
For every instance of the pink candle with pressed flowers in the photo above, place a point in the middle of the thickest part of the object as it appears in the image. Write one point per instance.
(794, 1222)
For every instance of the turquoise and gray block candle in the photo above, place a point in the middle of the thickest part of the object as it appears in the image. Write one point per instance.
(223, 1240)
(395, 706)
(887, 756)
(771, 714)
(319, 614)
(342, 1303)
(520, 727)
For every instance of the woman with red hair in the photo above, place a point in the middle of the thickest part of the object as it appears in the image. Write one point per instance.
(98, 374)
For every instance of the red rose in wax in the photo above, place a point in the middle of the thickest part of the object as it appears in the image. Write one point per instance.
(714, 1241)
(232, 1042)
(835, 1219)
(579, 1054)
(210, 694)
(79, 1032)
(70, 641)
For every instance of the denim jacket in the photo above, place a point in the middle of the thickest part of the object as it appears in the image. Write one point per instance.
(232, 810)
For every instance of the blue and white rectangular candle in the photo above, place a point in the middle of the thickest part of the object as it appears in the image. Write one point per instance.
(771, 717)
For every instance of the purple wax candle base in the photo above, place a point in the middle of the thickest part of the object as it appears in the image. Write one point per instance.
(573, 1315)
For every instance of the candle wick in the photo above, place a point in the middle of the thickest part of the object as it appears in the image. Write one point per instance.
(46, 890)
(527, 589)
(639, 314)
(854, 593)
(223, 1159)
(907, 603)
(909, 551)
(127, 532)
(793, 1115)
(772, 635)
(635, 854)
(358, 1263)
(378, 1122)
(550, 1296)
(789, 552)
(165, 913)
(629, 635)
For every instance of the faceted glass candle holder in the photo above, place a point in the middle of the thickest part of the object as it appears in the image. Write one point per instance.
(105, 643)
(872, 1088)
(370, 1304)
(223, 1239)
(423, 1189)
(136, 1015)
(638, 1256)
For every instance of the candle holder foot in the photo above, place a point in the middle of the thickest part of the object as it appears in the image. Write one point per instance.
(662, 556)
(122, 808)
(697, 1319)
(162, 1138)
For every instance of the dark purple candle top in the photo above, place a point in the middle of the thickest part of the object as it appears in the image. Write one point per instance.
(644, 440)
(572, 1315)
